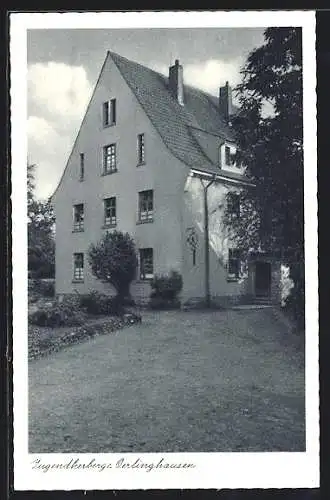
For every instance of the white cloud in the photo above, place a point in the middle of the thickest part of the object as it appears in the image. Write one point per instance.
(48, 150)
(209, 75)
(58, 97)
(160, 68)
(40, 131)
(212, 74)
(60, 89)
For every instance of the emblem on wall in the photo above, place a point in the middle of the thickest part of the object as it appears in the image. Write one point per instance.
(192, 238)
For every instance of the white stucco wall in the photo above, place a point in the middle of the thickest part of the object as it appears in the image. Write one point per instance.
(193, 210)
(161, 172)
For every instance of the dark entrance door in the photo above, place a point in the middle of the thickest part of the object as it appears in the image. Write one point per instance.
(263, 279)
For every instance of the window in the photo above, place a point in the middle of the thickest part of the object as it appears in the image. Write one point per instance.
(146, 206)
(146, 264)
(78, 266)
(140, 146)
(234, 263)
(109, 159)
(109, 113)
(233, 204)
(228, 159)
(110, 218)
(82, 166)
(78, 217)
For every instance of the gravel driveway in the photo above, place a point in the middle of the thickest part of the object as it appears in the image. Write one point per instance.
(178, 382)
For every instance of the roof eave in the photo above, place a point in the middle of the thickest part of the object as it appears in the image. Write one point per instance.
(217, 176)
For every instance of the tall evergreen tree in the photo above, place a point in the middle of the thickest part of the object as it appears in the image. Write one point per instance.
(271, 148)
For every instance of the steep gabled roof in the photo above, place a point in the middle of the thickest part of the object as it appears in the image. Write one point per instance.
(175, 123)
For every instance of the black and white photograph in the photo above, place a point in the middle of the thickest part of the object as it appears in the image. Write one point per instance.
(164, 188)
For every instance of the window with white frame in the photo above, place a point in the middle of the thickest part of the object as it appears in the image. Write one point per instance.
(110, 215)
(109, 113)
(109, 159)
(78, 217)
(146, 206)
(78, 266)
(234, 263)
(141, 149)
(146, 263)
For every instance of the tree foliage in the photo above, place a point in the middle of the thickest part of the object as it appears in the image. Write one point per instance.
(270, 146)
(41, 223)
(113, 260)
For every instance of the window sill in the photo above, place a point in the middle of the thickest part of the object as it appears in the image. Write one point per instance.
(81, 179)
(107, 125)
(232, 280)
(140, 164)
(139, 222)
(109, 226)
(77, 281)
(77, 230)
(144, 280)
(110, 172)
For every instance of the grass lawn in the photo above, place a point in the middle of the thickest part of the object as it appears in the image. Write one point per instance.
(177, 382)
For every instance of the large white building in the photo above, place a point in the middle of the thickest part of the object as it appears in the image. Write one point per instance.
(147, 147)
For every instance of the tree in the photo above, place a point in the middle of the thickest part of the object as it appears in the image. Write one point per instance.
(270, 145)
(41, 223)
(113, 260)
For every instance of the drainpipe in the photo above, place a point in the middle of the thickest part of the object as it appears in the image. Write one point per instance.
(207, 243)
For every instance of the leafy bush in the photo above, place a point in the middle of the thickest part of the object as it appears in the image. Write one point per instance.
(165, 289)
(160, 303)
(97, 303)
(113, 260)
(46, 288)
(167, 286)
(71, 300)
(57, 315)
(295, 302)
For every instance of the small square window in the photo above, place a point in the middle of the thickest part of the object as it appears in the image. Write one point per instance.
(110, 216)
(234, 263)
(146, 263)
(109, 159)
(146, 206)
(141, 149)
(78, 217)
(78, 266)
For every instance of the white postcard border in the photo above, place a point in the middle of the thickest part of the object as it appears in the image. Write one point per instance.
(212, 470)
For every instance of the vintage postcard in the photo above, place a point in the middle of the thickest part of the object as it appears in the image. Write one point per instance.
(165, 291)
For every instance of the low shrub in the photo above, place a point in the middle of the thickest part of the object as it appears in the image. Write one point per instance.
(165, 289)
(160, 303)
(57, 315)
(97, 303)
(167, 286)
(46, 288)
(71, 300)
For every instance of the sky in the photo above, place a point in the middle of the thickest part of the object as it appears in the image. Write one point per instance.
(64, 64)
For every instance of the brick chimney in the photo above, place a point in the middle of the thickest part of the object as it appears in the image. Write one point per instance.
(175, 81)
(225, 101)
